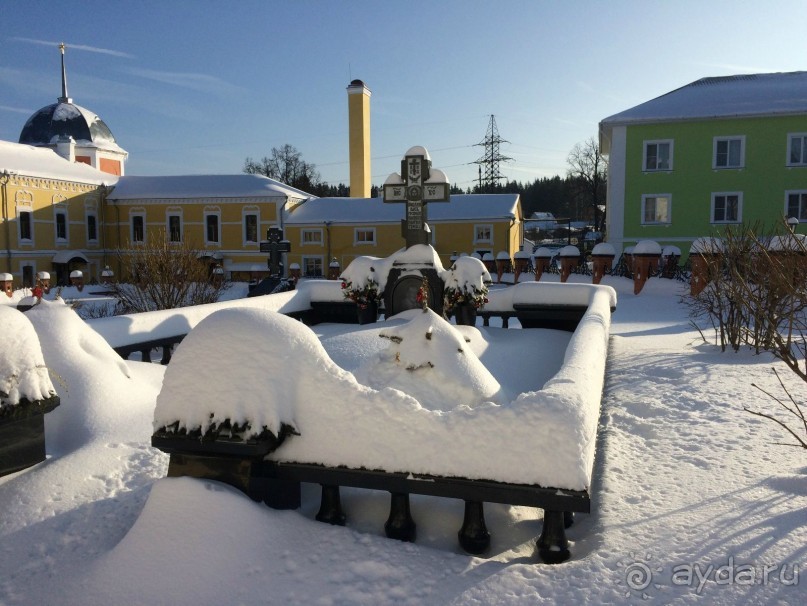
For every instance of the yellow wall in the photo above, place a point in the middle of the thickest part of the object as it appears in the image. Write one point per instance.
(45, 198)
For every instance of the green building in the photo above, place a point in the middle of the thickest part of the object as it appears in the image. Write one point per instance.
(716, 152)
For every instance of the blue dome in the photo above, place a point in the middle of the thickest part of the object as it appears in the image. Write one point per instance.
(65, 119)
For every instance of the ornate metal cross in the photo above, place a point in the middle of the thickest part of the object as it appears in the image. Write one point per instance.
(417, 185)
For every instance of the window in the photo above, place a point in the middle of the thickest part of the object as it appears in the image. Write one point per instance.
(174, 228)
(61, 225)
(92, 227)
(483, 233)
(658, 155)
(251, 228)
(311, 236)
(312, 267)
(727, 207)
(26, 220)
(729, 152)
(138, 228)
(656, 209)
(797, 205)
(364, 235)
(797, 149)
(212, 229)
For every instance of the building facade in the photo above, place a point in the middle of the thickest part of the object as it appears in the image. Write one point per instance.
(714, 153)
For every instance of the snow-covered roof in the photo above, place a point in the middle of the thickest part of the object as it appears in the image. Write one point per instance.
(721, 97)
(44, 162)
(66, 119)
(474, 207)
(202, 186)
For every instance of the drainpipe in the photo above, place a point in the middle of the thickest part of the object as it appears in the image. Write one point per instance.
(4, 178)
(328, 238)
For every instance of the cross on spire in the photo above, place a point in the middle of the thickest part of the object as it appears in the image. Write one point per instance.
(64, 98)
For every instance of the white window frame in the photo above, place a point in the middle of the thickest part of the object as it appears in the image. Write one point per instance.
(802, 193)
(314, 242)
(132, 216)
(367, 231)
(61, 211)
(657, 143)
(217, 214)
(802, 137)
(645, 198)
(315, 258)
(483, 226)
(728, 139)
(251, 212)
(169, 214)
(94, 215)
(726, 194)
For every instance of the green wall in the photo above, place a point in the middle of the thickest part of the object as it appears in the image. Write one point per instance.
(763, 180)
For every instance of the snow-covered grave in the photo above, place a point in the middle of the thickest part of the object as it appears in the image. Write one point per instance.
(407, 406)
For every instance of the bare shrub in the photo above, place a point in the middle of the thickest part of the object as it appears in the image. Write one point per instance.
(164, 275)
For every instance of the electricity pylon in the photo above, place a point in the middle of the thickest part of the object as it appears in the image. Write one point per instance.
(491, 158)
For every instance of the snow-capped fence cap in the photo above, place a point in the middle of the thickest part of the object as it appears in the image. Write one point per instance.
(603, 249)
(628, 250)
(334, 263)
(503, 255)
(76, 273)
(707, 245)
(647, 247)
(463, 254)
(4, 277)
(487, 257)
(569, 251)
(43, 275)
(294, 266)
(476, 254)
(521, 254)
(670, 251)
(542, 253)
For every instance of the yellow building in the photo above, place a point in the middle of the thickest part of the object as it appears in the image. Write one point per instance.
(67, 204)
(52, 214)
(226, 216)
(323, 229)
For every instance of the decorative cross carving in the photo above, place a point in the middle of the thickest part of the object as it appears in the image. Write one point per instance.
(417, 185)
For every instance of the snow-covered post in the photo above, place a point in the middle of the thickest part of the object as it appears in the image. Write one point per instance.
(502, 264)
(490, 262)
(646, 256)
(334, 269)
(43, 281)
(543, 257)
(521, 261)
(602, 259)
(704, 255)
(7, 284)
(77, 279)
(569, 258)
(294, 272)
(107, 275)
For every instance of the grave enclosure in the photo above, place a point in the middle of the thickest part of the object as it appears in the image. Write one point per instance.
(258, 467)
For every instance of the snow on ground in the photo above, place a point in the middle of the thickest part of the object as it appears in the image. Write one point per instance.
(692, 503)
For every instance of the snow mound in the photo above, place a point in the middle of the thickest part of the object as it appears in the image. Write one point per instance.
(429, 359)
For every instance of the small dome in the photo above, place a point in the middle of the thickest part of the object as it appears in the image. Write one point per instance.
(356, 83)
(62, 120)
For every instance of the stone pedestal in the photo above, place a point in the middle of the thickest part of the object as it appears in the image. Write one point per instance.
(600, 265)
(643, 267)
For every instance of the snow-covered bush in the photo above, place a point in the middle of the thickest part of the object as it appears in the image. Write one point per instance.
(23, 373)
(360, 281)
(466, 281)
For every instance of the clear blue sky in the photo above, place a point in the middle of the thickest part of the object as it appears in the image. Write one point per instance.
(196, 87)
